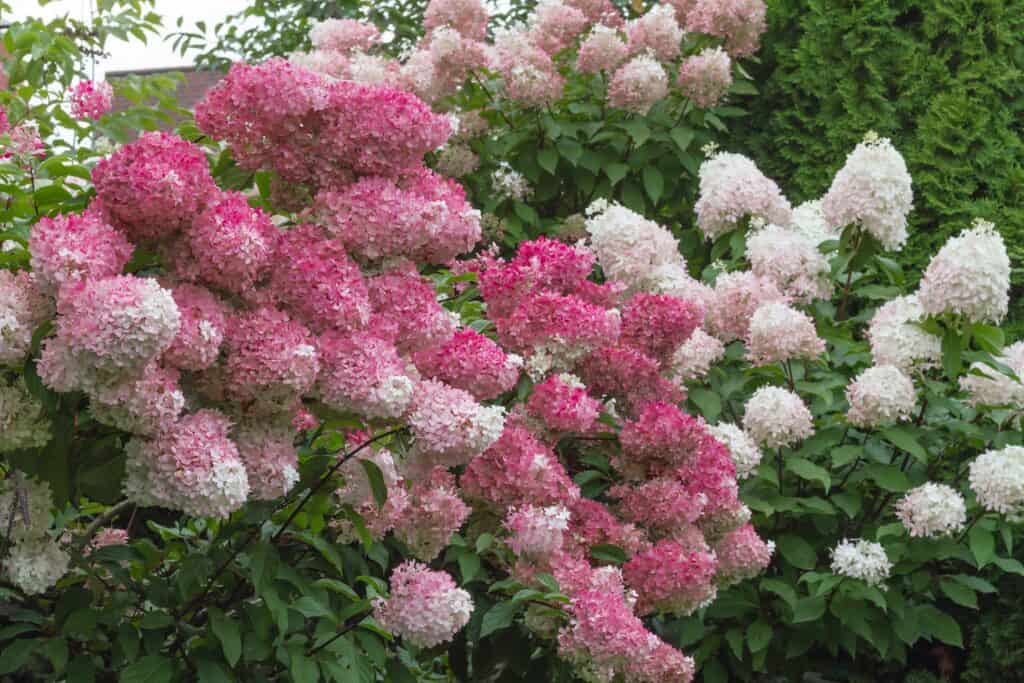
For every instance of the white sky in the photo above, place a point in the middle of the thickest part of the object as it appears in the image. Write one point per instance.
(135, 55)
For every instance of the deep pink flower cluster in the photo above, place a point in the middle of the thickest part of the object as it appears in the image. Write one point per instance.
(671, 578)
(91, 100)
(76, 247)
(562, 403)
(472, 362)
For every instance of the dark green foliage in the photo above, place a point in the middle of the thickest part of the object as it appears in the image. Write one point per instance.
(997, 645)
(942, 78)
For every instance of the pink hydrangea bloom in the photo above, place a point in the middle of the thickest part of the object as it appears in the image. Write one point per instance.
(271, 359)
(344, 35)
(107, 537)
(554, 25)
(638, 85)
(435, 512)
(742, 555)
(706, 77)
(661, 438)
(671, 579)
(233, 243)
(605, 640)
(422, 216)
(737, 295)
(75, 247)
(602, 50)
(792, 261)
(778, 333)
(711, 473)
(318, 282)
(203, 323)
(425, 607)
(468, 17)
(739, 22)
(518, 470)
(112, 327)
(154, 186)
(693, 359)
(776, 417)
(145, 406)
(592, 523)
(91, 100)
(23, 308)
(676, 505)
(562, 403)
(656, 32)
(628, 375)
(657, 323)
(193, 467)
(363, 373)
(599, 12)
(568, 324)
(733, 188)
(449, 426)
(472, 362)
(536, 531)
(271, 461)
(406, 310)
(530, 76)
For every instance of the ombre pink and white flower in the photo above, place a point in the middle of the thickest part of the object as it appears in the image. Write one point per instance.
(706, 76)
(638, 85)
(739, 22)
(932, 510)
(734, 301)
(732, 188)
(775, 417)
(602, 50)
(779, 333)
(656, 32)
(425, 607)
(537, 532)
(792, 261)
(668, 578)
(562, 403)
(880, 395)
(692, 360)
(742, 555)
(343, 35)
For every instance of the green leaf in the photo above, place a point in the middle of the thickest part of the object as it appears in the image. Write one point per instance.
(941, 625)
(989, 337)
(758, 636)
(469, 565)
(303, 669)
(654, 183)
(708, 402)
(616, 172)
(805, 469)
(227, 633)
(959, 593)
(211, 671)
(983, 545)
(548, 160)
(604, 552)
(888, 477)
(797, 551)
(952, 354)
(809, 609)
(1008, 564)
(782, 589)
(682, 137)
(398, 672)
(637, 130)
(904, 439)
(16, 654)
(734, 637)
(149, 669)
(498, 617)
(376, 477)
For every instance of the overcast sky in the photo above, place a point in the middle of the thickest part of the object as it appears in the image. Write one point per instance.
(135, 55)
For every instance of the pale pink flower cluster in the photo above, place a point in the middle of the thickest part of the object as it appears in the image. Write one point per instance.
(450, 426)
(742, 555)
(343, 35)
(107, 537)
(880, 395)
(602, 50)
(792, 261)
(969, 277)
(431, 512)
(988, 386)
(897, 338)
(739, 22)
(692, 360)
(997, 479)
(468, 17)
(736, 297)
(746, 454)
(775, 417)
(779, 333)
(554, 25)
(932, 510)
(425, 607)
(23, 307)
(75, 247)
(91, 100)
(638, 85)
(706, 76)
(872, 191)
(732, 188)
(655, 32)
(537, 531)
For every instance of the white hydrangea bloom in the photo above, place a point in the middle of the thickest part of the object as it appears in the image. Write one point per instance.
(694, 357)
(779, 332)
(509, 183)
(36, 565)
(732, 187)
(809, 221)
(897, 339)
(880, 395)
(792, 261)
(997, 479)
(970, 276)
(744, 450)
(861, 559)
(776, 417)
(630, 248)
(988, 386)
(932, 510)
(872, 190)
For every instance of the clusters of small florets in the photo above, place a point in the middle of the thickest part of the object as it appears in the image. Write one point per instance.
(988, 386)
(449, 426)
(706, 77)
(733, 188)
(23, 307)
(861, 559)
(746, 455)
(562, 403)
(670, 578)
(638, 85)
(742, 555)
(91, 100)
(779, 333)
(75, 247)
(792, 261)
(432, 513)
(693, 359)
(736, 297)
(472, 362)
(932, 510)
(872, 191)
(425, 607)
(880, 395)
(35, 562)
(897, 338)
(776, 417)
(997, 479)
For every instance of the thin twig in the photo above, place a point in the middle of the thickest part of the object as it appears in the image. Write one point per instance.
(100, 520)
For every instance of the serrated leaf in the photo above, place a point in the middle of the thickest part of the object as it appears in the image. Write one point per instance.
(904, 439)
(654, 183)
(616, 172)
(682, 137)
(805, 469)
(498, 617)
(548, 160)
(376, 478)
(797, 551)
(959, 593)
(888, 477)
(227, 633)
(983, 545)
(16, 654)
(758, 636)
(149, 669)
(809, 609)
(942, 626)
(708, 402)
